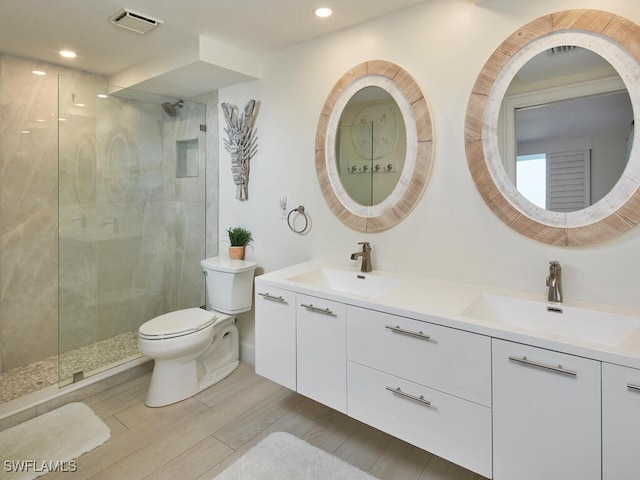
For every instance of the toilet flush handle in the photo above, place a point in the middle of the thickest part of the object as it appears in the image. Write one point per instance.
(206, 300)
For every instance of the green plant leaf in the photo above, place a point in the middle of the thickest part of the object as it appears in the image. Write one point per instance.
(239, 237)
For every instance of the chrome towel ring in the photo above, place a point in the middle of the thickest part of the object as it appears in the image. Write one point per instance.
(300, 211)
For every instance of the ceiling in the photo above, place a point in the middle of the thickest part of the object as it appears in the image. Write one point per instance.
(212, 43)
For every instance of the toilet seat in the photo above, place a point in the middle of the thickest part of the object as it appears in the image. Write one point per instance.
(176, 324)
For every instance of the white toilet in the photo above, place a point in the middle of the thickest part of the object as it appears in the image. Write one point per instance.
(195, 348)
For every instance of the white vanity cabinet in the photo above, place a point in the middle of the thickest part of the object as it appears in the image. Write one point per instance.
(275, 333)
(620, 422)
(322, 351)
(546, 414)
(431, 363)
(424, 383)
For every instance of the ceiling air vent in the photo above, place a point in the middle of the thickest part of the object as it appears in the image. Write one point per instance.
(134, 21)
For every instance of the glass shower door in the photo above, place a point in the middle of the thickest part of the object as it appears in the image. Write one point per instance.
(131, 220)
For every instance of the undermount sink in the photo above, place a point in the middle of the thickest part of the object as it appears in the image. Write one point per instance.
(362, 284)
(584, 324)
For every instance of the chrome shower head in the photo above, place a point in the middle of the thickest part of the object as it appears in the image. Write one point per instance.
(170, 108)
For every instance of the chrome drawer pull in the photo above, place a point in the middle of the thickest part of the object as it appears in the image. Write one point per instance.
(397, 329)
(553, 368)
(326, 311)
(419, 399)
(271, 297)
(632, 386)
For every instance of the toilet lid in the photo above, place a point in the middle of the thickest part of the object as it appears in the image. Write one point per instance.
(180, 322)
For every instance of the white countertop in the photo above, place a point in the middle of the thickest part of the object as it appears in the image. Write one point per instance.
(443, 302)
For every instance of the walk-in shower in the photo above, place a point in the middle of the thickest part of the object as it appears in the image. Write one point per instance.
(115, 241)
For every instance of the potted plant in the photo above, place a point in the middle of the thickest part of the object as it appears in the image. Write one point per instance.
(238, 238)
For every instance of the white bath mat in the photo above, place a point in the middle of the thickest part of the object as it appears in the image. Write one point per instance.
(282, 456)
(50, 442)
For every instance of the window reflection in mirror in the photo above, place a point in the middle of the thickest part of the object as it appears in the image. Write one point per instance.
(370, 146)
(567, 108)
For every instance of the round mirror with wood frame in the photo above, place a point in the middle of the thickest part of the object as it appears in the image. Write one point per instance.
(419, 149)
(618, 41)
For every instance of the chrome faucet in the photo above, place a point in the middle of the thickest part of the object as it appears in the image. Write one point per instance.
(554, 282)
(366, 257)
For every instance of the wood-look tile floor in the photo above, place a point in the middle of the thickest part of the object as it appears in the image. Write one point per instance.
(197, 438)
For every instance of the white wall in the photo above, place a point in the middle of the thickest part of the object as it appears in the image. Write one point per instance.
(451, 234)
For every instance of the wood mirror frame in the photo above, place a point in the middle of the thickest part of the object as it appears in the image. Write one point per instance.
(617, 212)
(419, 157)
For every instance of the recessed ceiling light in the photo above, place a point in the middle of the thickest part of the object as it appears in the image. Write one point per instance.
(25, 131)
(39, 72)
(323, 12)
(39, 120)
(103, 95)
(68, 54)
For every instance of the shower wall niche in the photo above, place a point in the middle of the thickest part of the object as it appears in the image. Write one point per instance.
(187, 158)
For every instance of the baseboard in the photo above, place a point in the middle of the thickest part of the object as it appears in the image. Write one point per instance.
(247, 354)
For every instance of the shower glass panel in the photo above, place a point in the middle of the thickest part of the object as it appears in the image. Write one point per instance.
(131, 228)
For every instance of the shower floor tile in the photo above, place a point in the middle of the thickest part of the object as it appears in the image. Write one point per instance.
(90, 359)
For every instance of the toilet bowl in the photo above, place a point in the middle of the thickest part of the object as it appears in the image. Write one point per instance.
(194, 348)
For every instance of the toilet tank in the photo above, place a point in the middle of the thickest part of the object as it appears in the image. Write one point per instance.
(229, 284)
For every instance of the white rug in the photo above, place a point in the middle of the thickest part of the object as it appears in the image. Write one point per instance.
(282, 456)
(50, 442)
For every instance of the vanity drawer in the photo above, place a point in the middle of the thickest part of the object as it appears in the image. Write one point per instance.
(442, 358)
(449, 427)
